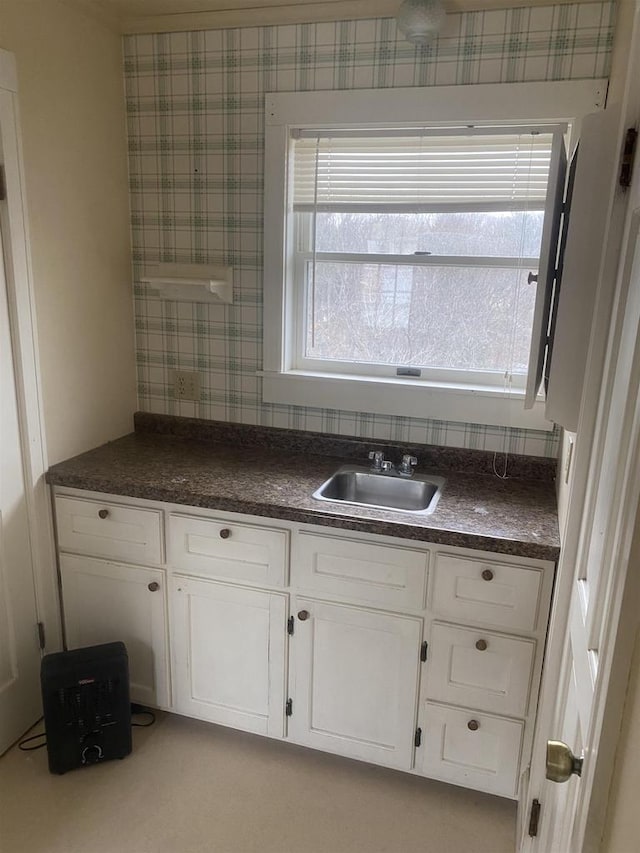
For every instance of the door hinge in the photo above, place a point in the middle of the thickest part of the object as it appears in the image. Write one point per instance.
(289, 707)
(41, 636)
(534, 818)
(3, 184)
(290, 625)
(628, 157)
(424, 648)
(417, 740)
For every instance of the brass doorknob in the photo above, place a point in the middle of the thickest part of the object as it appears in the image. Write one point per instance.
(562, 764)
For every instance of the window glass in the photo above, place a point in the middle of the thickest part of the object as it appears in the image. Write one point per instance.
(463, 318)
(510, 234)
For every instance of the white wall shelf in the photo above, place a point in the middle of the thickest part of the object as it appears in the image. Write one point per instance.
(190, 282)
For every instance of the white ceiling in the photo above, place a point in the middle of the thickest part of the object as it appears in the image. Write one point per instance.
(139, 16)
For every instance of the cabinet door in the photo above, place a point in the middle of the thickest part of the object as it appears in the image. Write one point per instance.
(354, 681)
(229, 646)
(106, 601)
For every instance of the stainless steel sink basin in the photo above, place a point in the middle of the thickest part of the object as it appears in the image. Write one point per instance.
(388, 490)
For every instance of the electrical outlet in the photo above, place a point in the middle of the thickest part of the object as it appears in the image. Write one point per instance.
(186, 384)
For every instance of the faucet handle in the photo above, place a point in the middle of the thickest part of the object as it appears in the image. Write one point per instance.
(407, 464)
(378, 459)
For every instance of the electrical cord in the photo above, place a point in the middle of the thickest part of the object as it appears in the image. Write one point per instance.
(135, 710)
(140, 709)
(28, 739)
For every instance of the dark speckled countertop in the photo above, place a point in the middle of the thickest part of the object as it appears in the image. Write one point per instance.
(273, 473)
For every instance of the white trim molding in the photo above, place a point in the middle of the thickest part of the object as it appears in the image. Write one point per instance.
(407, 398)
(21, 301)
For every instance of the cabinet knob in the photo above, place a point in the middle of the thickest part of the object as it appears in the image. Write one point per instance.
(303, 615)
(487, 575)
(154, 586)
(481, 645)
(225, 533)
(103, 513)
(473, 725)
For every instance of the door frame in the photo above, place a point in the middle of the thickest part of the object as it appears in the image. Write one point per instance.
(616, 646)
(22, 320)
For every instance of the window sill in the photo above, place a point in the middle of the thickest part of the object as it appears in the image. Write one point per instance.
(407, 398)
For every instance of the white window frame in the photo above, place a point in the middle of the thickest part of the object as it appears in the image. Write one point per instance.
(483, 104)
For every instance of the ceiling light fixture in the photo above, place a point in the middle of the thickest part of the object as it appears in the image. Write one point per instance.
(420, 21)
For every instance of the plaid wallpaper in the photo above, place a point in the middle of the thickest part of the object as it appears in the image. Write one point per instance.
(196, 129)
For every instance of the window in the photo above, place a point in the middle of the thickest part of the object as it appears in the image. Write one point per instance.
(406, 262)
(412, 250)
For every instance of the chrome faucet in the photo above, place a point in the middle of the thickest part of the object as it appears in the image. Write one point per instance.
(407, 465)
(379, 462)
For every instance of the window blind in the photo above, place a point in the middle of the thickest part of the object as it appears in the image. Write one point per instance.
(470, 170)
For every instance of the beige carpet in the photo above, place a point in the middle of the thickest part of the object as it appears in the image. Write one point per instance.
(190, 787)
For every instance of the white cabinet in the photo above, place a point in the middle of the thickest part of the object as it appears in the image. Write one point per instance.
(471, 749)
(248, 553)
(481, 589)
(415, 656)
(354, 681)
(107, 529)
(229, 646)
(106, 601)
(480, 669)
(478, 694)
(394, 577)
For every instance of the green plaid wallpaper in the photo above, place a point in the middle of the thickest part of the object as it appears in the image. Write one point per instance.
(196, 129)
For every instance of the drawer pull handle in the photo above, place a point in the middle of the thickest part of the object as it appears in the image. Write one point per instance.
(487, 575)
(303, 615)
(225, 533)
(481, 645)
(154, 586)
(473, 725)
(103, 513)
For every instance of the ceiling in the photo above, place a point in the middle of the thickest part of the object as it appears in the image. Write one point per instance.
(144, 16)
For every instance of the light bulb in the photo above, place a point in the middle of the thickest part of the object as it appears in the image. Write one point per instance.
(420, 21)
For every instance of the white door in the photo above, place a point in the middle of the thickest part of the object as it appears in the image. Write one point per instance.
(105, 602)
(19, 646)
(229, 647)
(598, 584)
(354, 681)
(591, 584)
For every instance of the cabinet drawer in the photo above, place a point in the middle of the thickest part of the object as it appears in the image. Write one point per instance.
(479, 669)
(224, 549)
(109, 530)
(470, 749)
(490, 592)
(381, 574)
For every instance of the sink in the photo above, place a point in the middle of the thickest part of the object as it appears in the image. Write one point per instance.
(388, 490)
